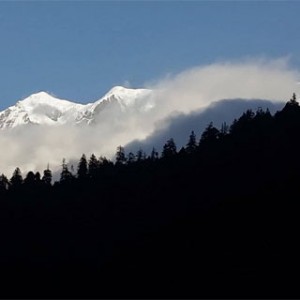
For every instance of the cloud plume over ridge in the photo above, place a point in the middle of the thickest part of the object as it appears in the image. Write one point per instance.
(188, 91)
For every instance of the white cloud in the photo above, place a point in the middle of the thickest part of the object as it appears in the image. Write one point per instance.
(190, 90)
(199, 86)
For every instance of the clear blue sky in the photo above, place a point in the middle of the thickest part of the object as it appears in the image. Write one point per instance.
(80, 49)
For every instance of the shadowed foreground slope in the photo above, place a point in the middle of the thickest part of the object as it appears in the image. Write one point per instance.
(219, 218)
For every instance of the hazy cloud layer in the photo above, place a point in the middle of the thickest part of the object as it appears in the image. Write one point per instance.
(190, 91)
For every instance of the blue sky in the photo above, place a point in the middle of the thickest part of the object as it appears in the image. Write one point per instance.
(79, 49)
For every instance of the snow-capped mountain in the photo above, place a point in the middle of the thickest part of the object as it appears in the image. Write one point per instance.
(118, 100)
(44, 109)
(40, 108)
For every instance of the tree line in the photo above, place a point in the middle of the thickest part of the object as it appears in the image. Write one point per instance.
(216, 218)
(90, 168)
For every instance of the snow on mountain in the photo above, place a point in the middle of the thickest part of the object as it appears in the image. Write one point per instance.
(123, 98)
(44, 109)
(126, 97)
(40, 108)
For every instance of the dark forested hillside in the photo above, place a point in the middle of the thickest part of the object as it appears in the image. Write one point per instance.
(217, 218)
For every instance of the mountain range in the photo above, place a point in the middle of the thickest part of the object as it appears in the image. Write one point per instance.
(43, 129)
(44, 109)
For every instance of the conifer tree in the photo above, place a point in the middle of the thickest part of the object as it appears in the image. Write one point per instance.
(104, 161)
(169, 149)
(154, 154)
(140, 155)
(130, 158)
(293, 100)
(93, 165)
(209, 135)
(30, 178)
(192, 144)
(120, 155)
(65, 175)
(16, 179)
(224, 129)
(37, 177)
(47, 176)
(82, 169)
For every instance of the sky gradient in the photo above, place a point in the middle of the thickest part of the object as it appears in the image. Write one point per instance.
(78, 50)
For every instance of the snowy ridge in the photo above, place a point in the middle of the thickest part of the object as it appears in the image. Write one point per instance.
(43, 109)
(125, 97)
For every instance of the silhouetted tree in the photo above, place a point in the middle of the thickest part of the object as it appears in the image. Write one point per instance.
(82, 169)
(169, 149)
(244, 124)
(262, 123)
(130, 158)
(65, 176)
(16, 179)
(224, 130)
(47, 177)
(105, 165)
(103, 161)
(140, 155)
(209, 135)
(293, 101)
(290, 111)
(120, 156)
(29, 179)
(192, 143)
(154, 154)
(93, 165)
(37, 177)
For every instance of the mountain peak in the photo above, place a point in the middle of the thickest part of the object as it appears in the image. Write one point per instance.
(118, 88)
(40, 94)
(123, 91)
(44, 98)
(125, 96)
(39, 97)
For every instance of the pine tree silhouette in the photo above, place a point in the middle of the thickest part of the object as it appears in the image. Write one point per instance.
(65, 176)
(82, 169)
(169, 149)
(16, 179)
(93, 165)
(192, 143)
(47, 177)
(120, 156)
